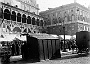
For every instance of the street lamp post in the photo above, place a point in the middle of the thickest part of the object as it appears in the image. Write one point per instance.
(64, 50)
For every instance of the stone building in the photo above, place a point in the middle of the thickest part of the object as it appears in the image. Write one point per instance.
(74, 17)
(20, 16)
(27, 5)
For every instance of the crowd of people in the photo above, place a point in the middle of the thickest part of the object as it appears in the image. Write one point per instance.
(69, 44)
(11, 48)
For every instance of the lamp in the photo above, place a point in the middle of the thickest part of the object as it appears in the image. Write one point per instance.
(64, 50)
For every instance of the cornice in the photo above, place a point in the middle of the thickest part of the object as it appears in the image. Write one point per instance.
(64, 7)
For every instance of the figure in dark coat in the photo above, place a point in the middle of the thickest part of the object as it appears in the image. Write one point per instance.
(13, 49)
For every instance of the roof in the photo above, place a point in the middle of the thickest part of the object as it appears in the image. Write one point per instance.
(64, 6)
(44, 36)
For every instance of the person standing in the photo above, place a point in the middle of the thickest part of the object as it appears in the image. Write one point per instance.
(61, 46)
(13, 49)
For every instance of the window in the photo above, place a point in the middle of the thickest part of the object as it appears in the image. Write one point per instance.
(33, 21)
(41, 22)
(65, 19)
(72, 17)
(13, 16)
(23, 18)
(1, 13)
(81, 17)
(59, 19)
(77, 9)
(18, 17)
(37, 22)
(28, 20)
(7, 14)
(69, 18)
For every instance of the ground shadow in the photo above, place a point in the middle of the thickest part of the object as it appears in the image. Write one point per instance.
(35, 61)
(74, 56)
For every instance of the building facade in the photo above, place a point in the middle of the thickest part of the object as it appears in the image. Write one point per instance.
(27, 5)
(74, 17)
(14, 19)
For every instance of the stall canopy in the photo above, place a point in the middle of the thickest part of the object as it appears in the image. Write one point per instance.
(44, 36)
(2, 39)
(7, 37)
(22, 38)
(73, 37)
(11, 37)
(66, 36)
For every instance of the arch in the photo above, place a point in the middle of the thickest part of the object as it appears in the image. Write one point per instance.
(18, 17)
(65, 19)
(33, 21)
(1, 13)
(23, 18)
(28, 20)
(81, 17)
(17, 29)
(72, 17)
(7, 14)
(13, 16)
(37, 22)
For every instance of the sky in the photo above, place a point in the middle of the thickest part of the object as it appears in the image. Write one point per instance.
(45, 4)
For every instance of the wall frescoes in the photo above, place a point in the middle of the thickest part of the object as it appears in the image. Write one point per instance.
(14, 17)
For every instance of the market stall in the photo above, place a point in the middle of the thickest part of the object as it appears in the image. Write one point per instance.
(41, 47)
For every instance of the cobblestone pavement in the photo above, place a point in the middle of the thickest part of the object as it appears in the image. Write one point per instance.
(74, 60)
(67, 60)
